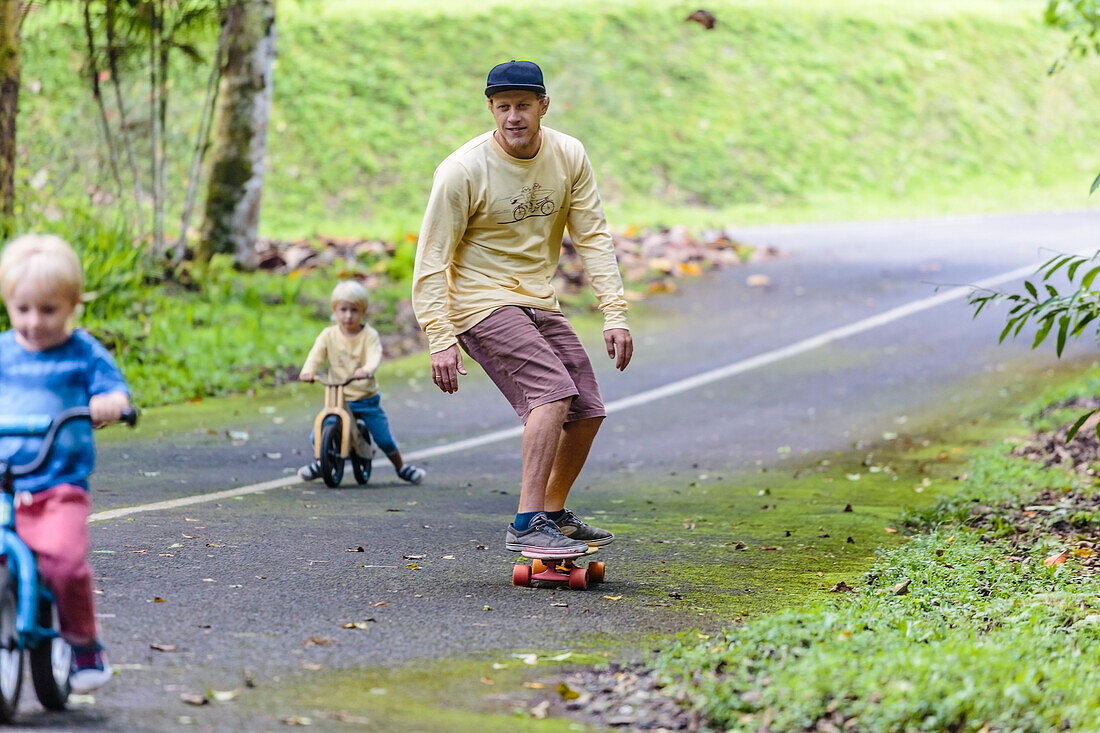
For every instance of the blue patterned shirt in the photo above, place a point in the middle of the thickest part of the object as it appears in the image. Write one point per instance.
(45, 383)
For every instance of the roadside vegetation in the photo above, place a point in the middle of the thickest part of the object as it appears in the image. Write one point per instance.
(987, 619)
(771, 115)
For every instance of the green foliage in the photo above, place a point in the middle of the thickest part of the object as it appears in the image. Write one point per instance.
(1065, 313)
(1081, 18)
(778, 109)
(114, 272)
(226, 332)
(978, 638)
(992, 476)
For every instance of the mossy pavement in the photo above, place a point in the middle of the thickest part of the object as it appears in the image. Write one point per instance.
(797, 528)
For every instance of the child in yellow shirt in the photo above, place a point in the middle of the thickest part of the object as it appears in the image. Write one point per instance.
(353, 350)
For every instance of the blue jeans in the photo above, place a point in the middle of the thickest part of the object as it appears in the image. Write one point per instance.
(370, 411)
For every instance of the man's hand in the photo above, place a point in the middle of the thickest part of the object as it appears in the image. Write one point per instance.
(108, 407)
(360, 373)
(620, 346)
(446, 366)
(305, 377)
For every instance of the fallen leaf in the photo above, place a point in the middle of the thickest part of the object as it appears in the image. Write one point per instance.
(413, 566)
(541, 710)
(758, 281)
(158, 599)
(704, 17)
(356, 624)
(297, 720)
(890, 530)
(1057, 559)
(224, 695)
(320, 641)
(1083, 552)
(842, 587)
(413, 557)
(381, 603)
(614, 598)
(192, 699)
(358, 548)
(535, 685)
(567, 692)
(901, 588)
(163, 647)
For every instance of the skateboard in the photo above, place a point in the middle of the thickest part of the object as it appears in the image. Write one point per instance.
(559, 570)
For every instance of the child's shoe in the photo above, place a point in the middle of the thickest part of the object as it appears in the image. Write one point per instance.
(412, 474)
(310, 471)
(89, 670)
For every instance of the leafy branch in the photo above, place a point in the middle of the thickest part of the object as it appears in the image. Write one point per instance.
(1081, 19)
(1064, 313)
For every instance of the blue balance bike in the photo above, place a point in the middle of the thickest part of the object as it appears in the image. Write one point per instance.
(28, 614)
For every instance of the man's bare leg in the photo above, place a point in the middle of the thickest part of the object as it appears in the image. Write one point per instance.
(541, 438)
(573, 447)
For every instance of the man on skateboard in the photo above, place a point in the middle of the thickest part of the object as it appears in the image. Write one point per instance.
(487, 251)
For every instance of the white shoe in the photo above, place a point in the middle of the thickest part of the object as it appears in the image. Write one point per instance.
(85, 679)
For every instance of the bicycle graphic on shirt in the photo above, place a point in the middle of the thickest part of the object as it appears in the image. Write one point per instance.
(531, 201)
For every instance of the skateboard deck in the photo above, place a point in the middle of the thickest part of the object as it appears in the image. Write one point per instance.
(559, 570)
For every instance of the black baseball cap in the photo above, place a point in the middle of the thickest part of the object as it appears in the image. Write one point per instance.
(515, 75)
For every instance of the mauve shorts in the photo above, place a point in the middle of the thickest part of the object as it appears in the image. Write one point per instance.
(534, 357)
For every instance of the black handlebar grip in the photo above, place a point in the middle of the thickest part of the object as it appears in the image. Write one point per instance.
(130, 416)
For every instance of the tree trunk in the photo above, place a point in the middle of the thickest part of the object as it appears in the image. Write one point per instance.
(10, 70)
(232, 210)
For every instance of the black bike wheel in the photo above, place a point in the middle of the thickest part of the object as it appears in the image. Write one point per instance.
(51, 662)
(361, 468)
(332, 463)
(11, 655)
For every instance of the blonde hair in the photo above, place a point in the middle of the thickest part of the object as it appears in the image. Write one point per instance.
(350, 291)
(46, 261)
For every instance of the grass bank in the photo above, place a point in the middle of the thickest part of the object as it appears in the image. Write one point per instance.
(796, 110)
(970, 625)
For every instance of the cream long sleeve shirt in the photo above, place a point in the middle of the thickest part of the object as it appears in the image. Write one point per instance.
(492, 235)
(345, 354)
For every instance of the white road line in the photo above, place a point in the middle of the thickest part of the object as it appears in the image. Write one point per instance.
(641, 398)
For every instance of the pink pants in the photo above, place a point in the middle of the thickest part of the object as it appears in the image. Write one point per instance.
(54, 524)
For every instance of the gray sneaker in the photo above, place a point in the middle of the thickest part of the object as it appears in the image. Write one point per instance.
(542, 538)
(576, 528)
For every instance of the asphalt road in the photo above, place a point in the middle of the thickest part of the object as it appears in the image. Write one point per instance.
(255, 584)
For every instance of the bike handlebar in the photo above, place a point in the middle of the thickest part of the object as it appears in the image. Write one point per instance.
(321, 378)
(129, 416)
